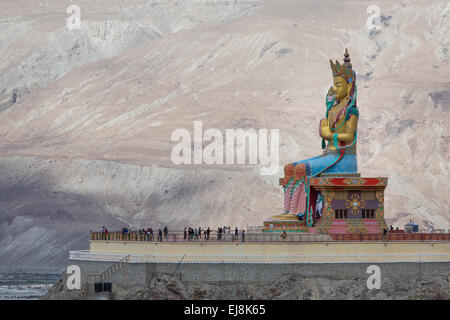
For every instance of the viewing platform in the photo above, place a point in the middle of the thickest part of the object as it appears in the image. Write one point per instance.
(133, 258)
(178, 236)
(268, 248)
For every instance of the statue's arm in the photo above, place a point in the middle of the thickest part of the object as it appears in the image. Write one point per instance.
(350, 128)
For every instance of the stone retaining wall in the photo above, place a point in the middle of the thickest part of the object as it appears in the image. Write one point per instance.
(139, 274)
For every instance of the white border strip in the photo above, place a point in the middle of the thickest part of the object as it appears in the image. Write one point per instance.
(85, 255)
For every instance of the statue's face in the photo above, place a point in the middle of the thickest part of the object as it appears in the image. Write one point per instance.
(341, 88)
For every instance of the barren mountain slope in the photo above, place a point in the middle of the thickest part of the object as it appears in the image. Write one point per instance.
(86, 115)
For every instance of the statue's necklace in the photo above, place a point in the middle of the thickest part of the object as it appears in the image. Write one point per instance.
(334, 112)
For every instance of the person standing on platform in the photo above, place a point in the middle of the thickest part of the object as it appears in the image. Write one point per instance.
(160, 235)
(236, 233)
(243, 235)
(165, 232)
(185, 234)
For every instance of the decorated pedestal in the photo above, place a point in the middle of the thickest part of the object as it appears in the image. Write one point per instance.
(351, 203)
(345, 203)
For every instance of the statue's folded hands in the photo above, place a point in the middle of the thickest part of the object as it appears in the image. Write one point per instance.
(347, 134)
(325, 131)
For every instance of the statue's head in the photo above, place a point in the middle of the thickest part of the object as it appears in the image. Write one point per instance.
(343, 78)
(341, 88)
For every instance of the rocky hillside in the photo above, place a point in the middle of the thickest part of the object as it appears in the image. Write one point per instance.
(289, 287)
(86, 115)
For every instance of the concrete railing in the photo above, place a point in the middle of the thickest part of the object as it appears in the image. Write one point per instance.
(344, 258)
(178, 236)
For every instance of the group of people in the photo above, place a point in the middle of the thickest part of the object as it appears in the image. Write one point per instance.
(191, 234)
(104, 233)
(223, 230)
(146, 234)
(391, 228)
(195, 234)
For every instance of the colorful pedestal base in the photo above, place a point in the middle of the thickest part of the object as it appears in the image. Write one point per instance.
(350, 204)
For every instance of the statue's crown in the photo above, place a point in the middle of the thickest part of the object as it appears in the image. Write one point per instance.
(343, 70)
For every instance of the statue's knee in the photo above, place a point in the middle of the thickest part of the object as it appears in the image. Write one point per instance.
(299, 171)
(289, 170)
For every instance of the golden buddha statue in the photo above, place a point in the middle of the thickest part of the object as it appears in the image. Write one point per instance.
(338, 127)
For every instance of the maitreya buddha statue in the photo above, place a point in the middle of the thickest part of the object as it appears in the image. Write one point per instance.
(338, 127)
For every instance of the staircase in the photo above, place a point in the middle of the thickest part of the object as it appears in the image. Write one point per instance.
(356, 226)
(372, 226)
(90, 279)
(339, 226)
(323, 225)
(331, 226)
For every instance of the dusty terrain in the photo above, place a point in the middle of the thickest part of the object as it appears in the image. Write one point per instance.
(289, 287)
(86, 115)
